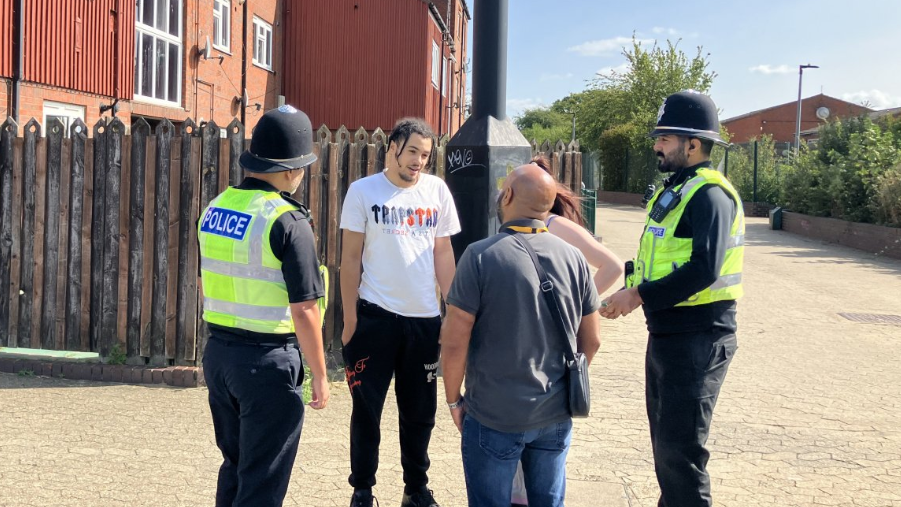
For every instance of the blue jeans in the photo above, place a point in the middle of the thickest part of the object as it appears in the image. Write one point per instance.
(490, 457)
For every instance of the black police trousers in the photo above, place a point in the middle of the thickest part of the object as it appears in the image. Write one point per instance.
(683, 376)
(386, 344)
(255, 394)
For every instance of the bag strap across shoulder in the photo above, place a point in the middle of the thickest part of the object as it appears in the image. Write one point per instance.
(547, 288)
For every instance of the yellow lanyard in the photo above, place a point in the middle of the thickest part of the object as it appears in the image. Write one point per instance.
(526, 230)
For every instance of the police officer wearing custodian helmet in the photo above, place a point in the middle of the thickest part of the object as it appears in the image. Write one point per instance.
(687, 277)
(261, 286)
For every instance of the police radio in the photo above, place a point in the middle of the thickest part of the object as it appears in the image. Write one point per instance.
(668, 200)
(648, 194)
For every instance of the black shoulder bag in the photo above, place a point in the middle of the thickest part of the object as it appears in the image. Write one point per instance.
(576, 362)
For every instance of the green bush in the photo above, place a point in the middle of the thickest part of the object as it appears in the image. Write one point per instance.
(887, 205)
(614, 145)
(852, 175)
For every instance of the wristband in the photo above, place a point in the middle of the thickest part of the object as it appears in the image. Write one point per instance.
(456, 404)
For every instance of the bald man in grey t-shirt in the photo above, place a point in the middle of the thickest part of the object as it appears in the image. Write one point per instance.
(501, 333)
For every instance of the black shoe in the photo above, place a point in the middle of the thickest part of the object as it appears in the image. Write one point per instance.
(422, 499)
(363, 498)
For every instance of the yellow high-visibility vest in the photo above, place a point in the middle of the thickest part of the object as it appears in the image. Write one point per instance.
(661, 252)
(243, 284)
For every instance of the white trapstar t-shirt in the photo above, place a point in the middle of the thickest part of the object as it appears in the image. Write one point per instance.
(400, 227)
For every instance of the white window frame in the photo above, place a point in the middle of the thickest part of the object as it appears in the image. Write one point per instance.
(436, 65)
(445, 77)
(69, 111)
(222, 21)
(159, 35)
(260, 30)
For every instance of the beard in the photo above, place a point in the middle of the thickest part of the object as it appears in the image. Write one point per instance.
(406, 177)
(671, 162)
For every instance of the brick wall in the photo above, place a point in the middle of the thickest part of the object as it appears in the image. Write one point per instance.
(626, 198)
(211, 89)
(883, 241)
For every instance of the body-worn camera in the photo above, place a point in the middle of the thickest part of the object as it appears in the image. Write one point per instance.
(668, 200)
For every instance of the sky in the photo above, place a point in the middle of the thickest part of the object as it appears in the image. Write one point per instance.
(556, 47)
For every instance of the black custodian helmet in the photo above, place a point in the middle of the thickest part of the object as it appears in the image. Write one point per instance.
(688, 113)
(281, 141)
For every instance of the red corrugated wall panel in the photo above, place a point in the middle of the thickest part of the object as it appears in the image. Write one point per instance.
(357, 63)
(6, 38)
(72, 44)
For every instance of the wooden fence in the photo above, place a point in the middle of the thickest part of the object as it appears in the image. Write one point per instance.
(98, 241)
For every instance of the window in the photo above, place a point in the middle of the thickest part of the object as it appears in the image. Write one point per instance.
(221, 24)
(436, 64)
(262, 43)
(158, 51)
(65, 113)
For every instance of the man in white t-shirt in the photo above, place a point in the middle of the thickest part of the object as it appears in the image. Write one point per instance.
(396, 245)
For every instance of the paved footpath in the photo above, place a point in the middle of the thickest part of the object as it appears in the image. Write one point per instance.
(810, 413)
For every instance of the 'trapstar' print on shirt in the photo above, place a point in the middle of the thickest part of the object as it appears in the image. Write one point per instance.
(416, 221)
(400, 226)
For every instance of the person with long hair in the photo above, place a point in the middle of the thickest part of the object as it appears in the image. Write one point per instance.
(566, 222)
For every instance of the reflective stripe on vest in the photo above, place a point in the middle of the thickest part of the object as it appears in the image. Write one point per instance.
(660, 252)
(245, 311)
(243, 284)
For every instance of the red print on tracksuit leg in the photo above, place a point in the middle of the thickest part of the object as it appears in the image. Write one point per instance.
(351, 373)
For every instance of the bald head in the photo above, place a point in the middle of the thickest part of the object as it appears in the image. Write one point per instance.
(529, 192)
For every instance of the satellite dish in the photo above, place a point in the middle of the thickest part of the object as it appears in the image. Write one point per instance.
(822, 113)
(207, 51)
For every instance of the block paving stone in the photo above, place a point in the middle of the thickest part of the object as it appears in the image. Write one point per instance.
(809, 414)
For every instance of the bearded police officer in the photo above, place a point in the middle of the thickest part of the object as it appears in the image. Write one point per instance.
(261, 283)
(687, 277)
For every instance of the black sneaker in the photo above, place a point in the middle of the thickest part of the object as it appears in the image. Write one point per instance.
(363, 498)
(422, 499)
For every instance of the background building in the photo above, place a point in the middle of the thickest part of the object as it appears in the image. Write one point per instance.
(781, 121)
(176, 59)
(359, 63)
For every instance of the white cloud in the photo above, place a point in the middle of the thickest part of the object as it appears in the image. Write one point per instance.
(516, 106)
(875, 99)
(605, 47)
(664, 31)
(770, 69)
(619, 69)
(555, 77)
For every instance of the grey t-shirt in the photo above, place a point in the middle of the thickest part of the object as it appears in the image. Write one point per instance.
(515, 366)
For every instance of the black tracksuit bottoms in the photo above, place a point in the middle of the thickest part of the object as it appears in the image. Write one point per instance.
(684, 373)
(386, 344)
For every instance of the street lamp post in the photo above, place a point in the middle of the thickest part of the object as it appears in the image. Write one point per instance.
(798, 125)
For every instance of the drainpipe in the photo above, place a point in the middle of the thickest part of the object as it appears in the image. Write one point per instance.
(244, 93)
(117, 43)
(18, 58)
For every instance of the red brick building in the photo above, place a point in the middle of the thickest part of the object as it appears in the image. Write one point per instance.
(175, 59)
(359, 63)
(781, 121)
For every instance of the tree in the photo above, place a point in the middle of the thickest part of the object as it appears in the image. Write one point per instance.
(655, 74)
(544, 123)
(627, 103)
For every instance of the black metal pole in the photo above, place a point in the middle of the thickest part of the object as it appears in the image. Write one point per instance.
(726, 163)
(755, 170)
(489, 78)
